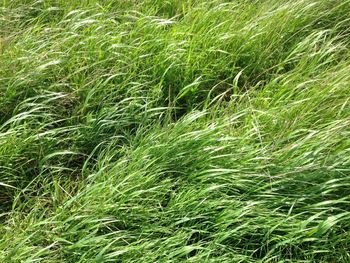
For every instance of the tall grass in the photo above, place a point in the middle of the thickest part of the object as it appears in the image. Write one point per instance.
(174, 131)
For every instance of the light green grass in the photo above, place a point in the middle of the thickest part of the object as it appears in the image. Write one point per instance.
(174, 131)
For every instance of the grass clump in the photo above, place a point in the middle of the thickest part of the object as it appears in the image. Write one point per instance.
(174, 131)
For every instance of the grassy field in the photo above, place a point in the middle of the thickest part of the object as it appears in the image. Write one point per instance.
(174, 131)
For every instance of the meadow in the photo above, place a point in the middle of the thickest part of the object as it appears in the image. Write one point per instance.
(174, 131)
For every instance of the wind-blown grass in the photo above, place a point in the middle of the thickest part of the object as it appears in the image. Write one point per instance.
(174, 131)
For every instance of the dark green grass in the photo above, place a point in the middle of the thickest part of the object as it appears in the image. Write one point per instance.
(174, 131)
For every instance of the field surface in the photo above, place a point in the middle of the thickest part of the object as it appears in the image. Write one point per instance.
(174, 131)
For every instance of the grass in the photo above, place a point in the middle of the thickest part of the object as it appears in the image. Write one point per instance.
(174, 131)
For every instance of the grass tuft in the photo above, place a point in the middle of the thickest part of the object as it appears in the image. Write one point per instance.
(174, 131)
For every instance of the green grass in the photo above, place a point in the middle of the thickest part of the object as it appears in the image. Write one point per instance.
(174, 131)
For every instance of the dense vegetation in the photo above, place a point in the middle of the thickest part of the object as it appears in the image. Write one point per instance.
(174, 131)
